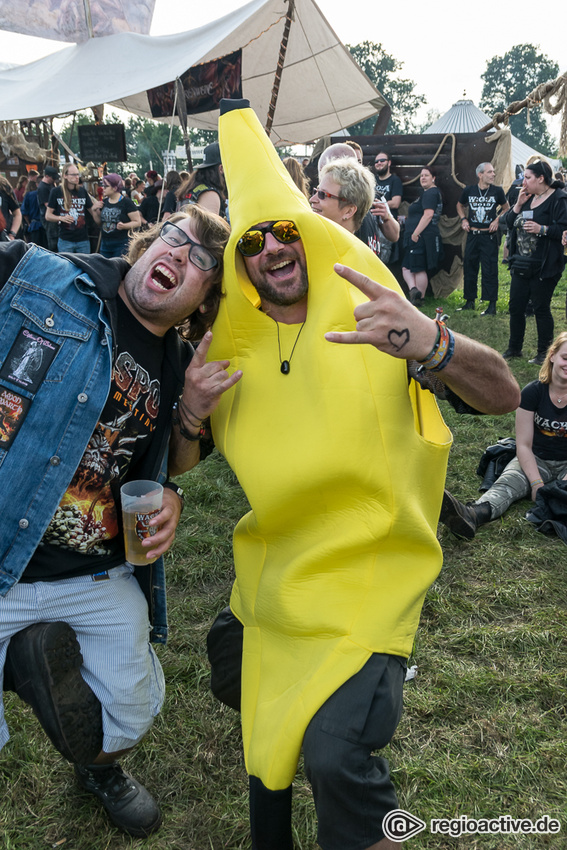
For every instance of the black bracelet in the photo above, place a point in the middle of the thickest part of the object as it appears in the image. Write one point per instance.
(187, 435)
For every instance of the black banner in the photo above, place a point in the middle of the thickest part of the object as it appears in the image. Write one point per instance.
(203, 85)
(102, 143)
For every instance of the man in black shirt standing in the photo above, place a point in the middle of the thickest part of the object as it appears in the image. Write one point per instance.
(389, 190)
(477, 208)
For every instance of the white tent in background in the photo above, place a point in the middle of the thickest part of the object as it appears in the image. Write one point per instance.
(322, 89)
(465, 117)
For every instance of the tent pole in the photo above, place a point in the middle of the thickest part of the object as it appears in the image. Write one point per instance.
(182, 114)
(279, 69)
(88, 19)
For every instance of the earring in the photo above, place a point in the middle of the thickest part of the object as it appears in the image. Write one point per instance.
(203, 308)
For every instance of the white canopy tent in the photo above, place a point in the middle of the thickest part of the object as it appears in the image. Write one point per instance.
(322, 89)
(465, 117)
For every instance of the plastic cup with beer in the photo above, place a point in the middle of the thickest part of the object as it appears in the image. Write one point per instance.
(141, 501)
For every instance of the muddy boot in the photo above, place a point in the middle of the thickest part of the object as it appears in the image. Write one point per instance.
(43, 666)
(463, 520)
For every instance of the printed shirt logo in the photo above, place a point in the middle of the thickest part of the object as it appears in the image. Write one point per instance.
(87, 517)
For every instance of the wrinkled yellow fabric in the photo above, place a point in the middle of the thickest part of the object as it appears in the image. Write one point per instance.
(342, 463)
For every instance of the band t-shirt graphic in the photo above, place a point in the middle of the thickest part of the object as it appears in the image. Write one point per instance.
(482, 204)
(85, 534)
(111, 214)
(80, 203)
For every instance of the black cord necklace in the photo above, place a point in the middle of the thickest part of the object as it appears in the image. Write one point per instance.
(285, 364)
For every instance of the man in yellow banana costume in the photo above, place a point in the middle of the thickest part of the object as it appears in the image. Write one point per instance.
(343, 461)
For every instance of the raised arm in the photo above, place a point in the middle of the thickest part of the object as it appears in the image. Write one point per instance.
(204, 385)
(388, 321)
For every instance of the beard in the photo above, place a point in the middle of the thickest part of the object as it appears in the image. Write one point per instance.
(288, 293)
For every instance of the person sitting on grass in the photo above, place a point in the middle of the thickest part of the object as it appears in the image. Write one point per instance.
(541, 448)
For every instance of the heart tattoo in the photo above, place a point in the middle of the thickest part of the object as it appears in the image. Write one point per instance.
(398, 339)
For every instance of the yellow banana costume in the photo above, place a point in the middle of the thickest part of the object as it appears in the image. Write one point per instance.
(342, 462)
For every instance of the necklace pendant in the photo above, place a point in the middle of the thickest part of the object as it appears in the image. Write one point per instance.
(284, 368)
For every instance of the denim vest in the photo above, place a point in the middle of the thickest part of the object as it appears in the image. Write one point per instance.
(48, 295)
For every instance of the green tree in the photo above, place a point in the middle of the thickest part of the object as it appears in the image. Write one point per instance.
(513, 76)
(383, 70)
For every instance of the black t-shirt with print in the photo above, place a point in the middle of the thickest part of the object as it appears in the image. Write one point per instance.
(530, 244)
(85, 534)
(111, 214)
(369, 233)
(80, 203)
(389, 187)
(550, 422)
(482, 204)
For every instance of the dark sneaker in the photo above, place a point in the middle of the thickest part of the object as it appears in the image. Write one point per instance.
(415, 297)
(128, 804)
(468, 305)
(490, 310)
(537, 360)
(510, 354)
(463, 520)
(43, 663)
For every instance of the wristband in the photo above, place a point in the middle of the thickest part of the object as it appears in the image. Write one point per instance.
(442, 352)
(177, 490)
(536, 481)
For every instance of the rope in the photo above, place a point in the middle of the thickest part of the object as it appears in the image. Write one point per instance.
(541, 94)
(436, 154)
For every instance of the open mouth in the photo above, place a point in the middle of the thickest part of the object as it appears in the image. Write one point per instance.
(163, 278)
(283, 269)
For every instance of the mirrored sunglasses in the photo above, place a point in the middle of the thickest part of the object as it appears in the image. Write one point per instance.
(253, 241)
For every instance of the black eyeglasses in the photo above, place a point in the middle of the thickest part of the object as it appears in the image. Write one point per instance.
(176, 238)
(253, 241)
(376, 161)
(321, 194)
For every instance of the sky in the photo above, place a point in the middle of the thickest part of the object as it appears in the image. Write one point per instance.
(444, 47)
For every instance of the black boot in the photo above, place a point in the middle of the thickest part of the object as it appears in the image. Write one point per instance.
(463, 520)
(128, 804)
(43, 667)
(490, 310)
(468, 305)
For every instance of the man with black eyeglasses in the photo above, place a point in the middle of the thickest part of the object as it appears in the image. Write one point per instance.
(93, 411)
(342, 457)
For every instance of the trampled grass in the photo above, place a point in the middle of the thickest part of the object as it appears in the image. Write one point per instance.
(484, 728)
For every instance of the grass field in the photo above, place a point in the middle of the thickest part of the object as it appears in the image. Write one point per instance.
(484, 728)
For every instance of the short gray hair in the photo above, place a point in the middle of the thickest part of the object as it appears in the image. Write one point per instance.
(356, 185)
(481, 167)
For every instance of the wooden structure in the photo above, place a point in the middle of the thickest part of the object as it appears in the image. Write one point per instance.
(454, 157)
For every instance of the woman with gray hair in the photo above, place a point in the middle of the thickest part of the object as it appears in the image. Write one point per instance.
(345, 193)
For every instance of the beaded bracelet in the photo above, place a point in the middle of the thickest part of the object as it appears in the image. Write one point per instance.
(443, 350)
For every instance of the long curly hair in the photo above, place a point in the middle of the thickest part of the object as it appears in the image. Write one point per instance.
(212, 232)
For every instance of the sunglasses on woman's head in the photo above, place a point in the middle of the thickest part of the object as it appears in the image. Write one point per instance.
(254, 240)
